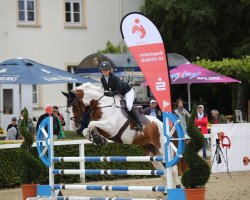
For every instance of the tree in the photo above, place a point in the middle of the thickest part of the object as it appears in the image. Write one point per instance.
(213, 29)
(110, 48)
(238, 69)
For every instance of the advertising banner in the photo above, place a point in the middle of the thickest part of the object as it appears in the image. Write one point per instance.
(145, 43)
(235, 136)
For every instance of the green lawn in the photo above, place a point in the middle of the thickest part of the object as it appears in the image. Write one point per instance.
(72, 135)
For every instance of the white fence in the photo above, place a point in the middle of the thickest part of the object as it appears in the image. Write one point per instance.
(81, 144)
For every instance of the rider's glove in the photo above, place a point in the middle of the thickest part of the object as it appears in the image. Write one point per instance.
(109, 94)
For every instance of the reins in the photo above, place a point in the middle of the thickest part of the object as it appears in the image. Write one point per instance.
(91, 109)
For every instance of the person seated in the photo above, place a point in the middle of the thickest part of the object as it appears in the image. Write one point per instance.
(12, 131)
(152, 110)
(217, 117)
(114, 86)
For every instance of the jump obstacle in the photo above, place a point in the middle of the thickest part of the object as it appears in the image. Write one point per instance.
(45, 148)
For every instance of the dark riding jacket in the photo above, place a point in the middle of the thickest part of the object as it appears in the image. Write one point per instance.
(115, 85)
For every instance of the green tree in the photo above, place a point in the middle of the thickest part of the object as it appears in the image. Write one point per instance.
(213, 29)
(238, 69)
(110, 48)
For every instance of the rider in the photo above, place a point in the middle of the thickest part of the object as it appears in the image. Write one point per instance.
(114, 86)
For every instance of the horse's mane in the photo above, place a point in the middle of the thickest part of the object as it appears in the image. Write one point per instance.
(88, 85)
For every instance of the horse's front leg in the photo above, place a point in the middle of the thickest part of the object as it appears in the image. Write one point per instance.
(94, 137)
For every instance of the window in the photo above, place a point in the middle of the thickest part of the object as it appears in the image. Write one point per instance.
(8, 101)
(74, 16)
(34, 94)
(27, 12)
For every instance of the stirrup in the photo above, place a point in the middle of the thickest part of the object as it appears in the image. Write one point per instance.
(138, 128)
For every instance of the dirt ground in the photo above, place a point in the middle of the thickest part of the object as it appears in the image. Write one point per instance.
(219, 187)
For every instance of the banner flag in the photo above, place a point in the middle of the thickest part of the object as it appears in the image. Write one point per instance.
(145, 43)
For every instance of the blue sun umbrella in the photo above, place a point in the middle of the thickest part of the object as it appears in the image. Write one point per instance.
(25, 71)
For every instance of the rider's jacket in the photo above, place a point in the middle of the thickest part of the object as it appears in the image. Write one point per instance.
(115, 85)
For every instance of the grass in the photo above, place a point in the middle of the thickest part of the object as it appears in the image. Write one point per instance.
(72, 135)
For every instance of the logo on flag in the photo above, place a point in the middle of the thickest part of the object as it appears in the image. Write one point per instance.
(138, 29)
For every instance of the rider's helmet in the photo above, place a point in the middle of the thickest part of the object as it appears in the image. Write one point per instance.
(105, 65)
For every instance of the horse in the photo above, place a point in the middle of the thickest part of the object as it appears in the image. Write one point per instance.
(108, 119)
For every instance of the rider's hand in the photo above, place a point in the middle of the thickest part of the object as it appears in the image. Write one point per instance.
(109, 94)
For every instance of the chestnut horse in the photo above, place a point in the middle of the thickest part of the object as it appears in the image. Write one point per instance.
(107, 119)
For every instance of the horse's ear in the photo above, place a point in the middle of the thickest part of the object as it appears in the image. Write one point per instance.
(66, 94)
(72, 94)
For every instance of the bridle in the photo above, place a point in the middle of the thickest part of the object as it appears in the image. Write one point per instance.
(90, 110)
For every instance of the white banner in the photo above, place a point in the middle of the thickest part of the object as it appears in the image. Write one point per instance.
(239, 152)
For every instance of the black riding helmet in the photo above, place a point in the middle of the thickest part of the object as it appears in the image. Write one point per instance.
(105, 65)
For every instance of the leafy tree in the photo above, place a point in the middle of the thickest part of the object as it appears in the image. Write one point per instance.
(213, 29)
(110, 48)
(238, 69)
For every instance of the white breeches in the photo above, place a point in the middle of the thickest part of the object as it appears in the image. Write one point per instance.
(129, 97)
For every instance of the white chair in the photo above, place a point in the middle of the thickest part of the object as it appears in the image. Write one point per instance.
(238, 115)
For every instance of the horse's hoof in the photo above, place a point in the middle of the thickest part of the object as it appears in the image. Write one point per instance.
(97, 139)
(178, 186)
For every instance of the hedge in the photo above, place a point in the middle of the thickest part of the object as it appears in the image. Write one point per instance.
(10, 165)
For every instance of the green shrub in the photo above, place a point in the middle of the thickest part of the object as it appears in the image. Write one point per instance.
(199, 171)
(10, 166)
(31, 167)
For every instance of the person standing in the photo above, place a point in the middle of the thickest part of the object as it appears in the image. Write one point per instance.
(152, 110)
(217, 118)
(181, 113)
(56, 122)
(201, 121)
(56, 112)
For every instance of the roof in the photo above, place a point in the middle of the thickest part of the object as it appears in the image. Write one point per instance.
(120, 60)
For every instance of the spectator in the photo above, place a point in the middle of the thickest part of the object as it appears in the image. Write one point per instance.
(152, 110)
(181, 113)
(57, 127)
(12, 131)
(31, 126)
(201, 121)
(217, 117)
(56, 112)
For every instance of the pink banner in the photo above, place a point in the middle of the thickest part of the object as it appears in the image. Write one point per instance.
(145, 43)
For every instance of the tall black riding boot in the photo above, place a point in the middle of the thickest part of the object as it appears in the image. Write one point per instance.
(135, 117)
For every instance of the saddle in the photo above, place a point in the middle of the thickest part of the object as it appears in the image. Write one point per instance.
(138, 111)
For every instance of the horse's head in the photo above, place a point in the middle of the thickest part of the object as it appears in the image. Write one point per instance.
(75, 100)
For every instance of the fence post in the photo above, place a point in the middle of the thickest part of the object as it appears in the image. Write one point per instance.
(82, 163)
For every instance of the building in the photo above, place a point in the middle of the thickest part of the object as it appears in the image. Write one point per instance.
(59, 33)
